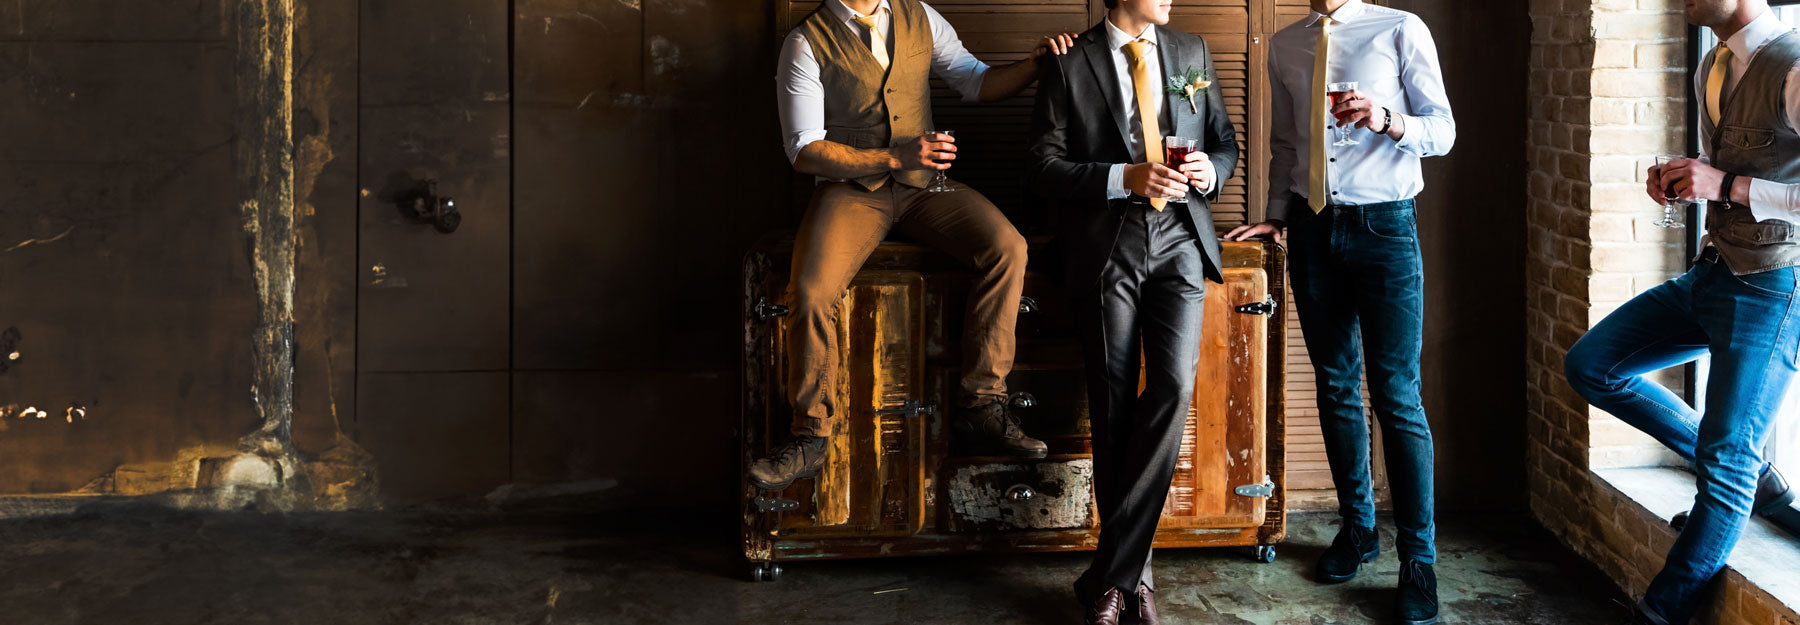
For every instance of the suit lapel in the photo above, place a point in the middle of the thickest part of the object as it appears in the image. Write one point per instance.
(1170, 49)
(1099, 57)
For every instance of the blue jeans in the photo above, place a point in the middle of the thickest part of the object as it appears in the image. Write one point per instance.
(1748, 324)
(1359, 285)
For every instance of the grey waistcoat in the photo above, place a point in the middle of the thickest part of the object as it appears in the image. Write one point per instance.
(1754, 139)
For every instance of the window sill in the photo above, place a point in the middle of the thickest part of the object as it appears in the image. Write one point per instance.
(1765, 555)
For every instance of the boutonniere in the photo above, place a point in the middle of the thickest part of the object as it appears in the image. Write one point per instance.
(1189, 84)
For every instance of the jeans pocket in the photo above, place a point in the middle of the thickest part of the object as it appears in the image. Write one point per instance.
(1774, 282)
(1393, 225)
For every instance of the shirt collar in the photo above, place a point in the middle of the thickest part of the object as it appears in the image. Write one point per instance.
(845, 13)
(1753, 36)
(1117, 38)
(1347, 13)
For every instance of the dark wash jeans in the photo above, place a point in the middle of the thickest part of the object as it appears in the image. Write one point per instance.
(1748, 324)
(1359, 285)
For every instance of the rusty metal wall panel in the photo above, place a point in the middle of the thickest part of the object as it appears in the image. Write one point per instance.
(435, 434)
(325, 193)
(124, 260)
(113, 20)
(434, 90)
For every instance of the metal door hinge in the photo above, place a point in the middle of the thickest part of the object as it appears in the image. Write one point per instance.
(1260, 308)
(765, 311)
(910, 409)
(1028, 305)
(1265, 489)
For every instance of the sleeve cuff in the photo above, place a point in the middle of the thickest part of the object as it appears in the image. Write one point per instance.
(1115, 182)
(1411, 140)
(1278, 208)
(1769, 200)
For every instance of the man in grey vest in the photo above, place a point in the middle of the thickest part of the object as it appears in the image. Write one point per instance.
(855, 104)
(1737, 303)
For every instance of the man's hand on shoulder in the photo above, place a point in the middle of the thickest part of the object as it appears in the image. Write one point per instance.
(1057, 44)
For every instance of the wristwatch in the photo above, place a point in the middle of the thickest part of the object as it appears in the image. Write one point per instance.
(1387, 121)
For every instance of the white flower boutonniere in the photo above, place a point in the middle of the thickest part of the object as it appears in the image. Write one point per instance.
(1190, 84)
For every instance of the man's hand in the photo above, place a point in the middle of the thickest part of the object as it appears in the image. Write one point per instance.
(1356, 109)
(1155, 181)
(925, 152)
(1057, 44)
(1691, 180)
(1653, 184)
(1199, 171)
(1271, 228)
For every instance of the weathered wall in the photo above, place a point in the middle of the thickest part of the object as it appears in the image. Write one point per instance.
(127, 267)
(1472, 234)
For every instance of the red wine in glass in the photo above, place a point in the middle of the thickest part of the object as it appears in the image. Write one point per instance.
(1175, 152)
(939, 182)
(1338, 92)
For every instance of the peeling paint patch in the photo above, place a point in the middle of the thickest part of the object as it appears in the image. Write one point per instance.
(665, 56)
(635, 5)
(584, 101)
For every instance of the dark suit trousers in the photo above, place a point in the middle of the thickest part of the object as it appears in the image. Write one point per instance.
(1151, 293)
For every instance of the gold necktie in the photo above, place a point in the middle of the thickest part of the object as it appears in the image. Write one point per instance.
(1715, 82)
(877, 43)
(1315, 177)
(1140, 82)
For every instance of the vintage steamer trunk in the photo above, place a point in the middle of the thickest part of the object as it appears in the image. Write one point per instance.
(893, 487)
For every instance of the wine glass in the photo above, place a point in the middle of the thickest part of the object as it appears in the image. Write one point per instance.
(941, 183)
(1338, 92)
(1671, 203)
(1175, 152)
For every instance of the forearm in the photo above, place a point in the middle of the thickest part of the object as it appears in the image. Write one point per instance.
(837, 161)
(1006, 81)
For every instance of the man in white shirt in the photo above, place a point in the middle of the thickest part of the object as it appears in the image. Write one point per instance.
(1358, 278)
(855, 101)
(1737, 303)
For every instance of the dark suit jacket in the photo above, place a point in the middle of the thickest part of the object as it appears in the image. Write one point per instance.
(1079, 133)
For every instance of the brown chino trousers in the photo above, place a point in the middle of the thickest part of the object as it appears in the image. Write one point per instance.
(842, 227)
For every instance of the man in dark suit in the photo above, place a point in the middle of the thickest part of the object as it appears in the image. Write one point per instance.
(1137, 262)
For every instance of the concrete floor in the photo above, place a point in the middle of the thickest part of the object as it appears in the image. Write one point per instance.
(134, 563)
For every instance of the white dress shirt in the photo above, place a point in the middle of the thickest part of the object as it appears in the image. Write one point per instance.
(1768, 200)
(1127, 100)
(1391, 56)
(801, 97)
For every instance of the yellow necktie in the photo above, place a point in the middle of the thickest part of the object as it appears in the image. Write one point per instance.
(1315, 178)
(877, 43)
(1715, 82)
(1140, 82)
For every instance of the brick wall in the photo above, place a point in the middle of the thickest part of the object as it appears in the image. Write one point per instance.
(1607, 87)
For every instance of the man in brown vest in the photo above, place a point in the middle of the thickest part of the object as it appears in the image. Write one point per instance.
(855, 105)
(1739, 303)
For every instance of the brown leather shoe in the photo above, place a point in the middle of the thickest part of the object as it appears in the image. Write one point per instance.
(991, 429)
(1143, 611)
(1105, 609)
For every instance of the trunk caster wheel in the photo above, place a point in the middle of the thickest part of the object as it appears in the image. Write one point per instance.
(1263, 553)
(764, 571)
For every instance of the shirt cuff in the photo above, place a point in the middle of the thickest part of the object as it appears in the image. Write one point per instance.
(1115, 183)
(1769, 200)
(1413, 137)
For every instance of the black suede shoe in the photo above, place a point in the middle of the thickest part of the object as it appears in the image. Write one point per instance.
(992, 430)
(1772, 495)
(1418, 601)
(1347, 553)
(801, 457)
